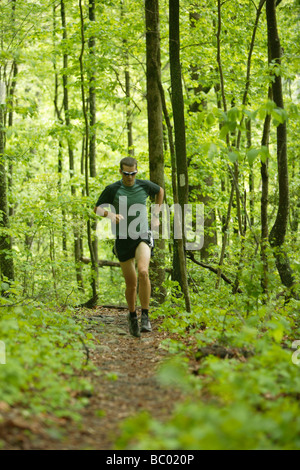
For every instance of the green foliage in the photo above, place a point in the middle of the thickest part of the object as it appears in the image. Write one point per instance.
(243, 403)
(45, 360)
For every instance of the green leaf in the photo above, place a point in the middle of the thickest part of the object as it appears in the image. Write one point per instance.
(233, 156)
(252, 155)
(234, 114)
(210, 119)
(224, 131)
(279, 115)
(264, 153)
(210, 149)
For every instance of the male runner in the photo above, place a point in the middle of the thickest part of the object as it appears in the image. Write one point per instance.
(126, 198)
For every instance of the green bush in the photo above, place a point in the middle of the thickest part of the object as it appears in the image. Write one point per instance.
(244, 402)
(45, 360)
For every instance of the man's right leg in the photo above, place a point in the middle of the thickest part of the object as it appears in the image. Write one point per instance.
(129, 273)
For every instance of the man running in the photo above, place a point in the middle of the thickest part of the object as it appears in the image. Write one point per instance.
(133, 243)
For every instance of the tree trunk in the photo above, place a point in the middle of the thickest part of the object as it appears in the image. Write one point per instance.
(155, 131)
(77, 250)
(57, 113)
(92, 116)
(251, 174)
(92, 94)
(180, 140)
(128, 90)
(278, 231)
(295, 208)
(10, 102)
(264, 203)
(128, 113)
(6, 260)
(94, 272)
(210, 234)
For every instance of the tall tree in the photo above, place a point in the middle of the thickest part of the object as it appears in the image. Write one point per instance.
(6, 260)
(278, 231)
(130, 146)
(180, 139)
(264, 202)
(92, 112)
(203, 196)
(10, 102)
(94, 272)
(58, 114)
(92, 93)
(155, 125)
(77, 248)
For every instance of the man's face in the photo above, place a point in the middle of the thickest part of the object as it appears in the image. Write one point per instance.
(128, 180)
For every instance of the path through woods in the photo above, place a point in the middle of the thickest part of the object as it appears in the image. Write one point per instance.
(127, 384)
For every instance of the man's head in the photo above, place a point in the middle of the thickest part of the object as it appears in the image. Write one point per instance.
(128, 170)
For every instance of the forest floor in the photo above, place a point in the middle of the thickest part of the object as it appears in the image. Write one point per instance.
(124, 383)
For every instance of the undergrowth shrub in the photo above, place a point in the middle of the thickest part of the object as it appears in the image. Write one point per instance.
(45, 360)
(243, 402)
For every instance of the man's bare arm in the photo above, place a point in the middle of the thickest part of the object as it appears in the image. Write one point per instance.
(110, 215)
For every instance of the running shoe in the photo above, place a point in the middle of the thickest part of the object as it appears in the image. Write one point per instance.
(145, 323)
(133, 326)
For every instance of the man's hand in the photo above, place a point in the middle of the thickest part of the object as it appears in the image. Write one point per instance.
(115, 218)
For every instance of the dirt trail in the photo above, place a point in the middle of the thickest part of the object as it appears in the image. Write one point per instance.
(126, 385)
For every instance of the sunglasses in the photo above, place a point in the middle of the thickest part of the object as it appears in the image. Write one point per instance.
(129, 173)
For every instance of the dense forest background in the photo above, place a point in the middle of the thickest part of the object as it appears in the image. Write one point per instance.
(201, 92)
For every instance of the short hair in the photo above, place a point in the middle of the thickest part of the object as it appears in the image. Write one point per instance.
(129, 161)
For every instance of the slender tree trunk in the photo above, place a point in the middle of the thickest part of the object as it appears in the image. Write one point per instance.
(295, 209)
(92, 116)
(251, 174)
(127, 90)
(210, 234)
(57, 113)
(178, 104)
(94, 273)
(264, 206)
(180, 139)
(92, 94)
(240, 200)
(222, 103)
(10, 102)
(155, 131)
(278, 231)
(77, 250)
(225, 236)
(6, 260)
(128, 111)
(66, 91)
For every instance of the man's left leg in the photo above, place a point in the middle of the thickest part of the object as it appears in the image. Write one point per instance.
(142, 256)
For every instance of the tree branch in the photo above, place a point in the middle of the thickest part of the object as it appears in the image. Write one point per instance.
(191, 256)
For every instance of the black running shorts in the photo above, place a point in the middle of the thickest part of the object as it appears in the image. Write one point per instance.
(124, 249)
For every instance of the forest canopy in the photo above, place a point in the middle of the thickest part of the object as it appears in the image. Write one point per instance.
(74, 102)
